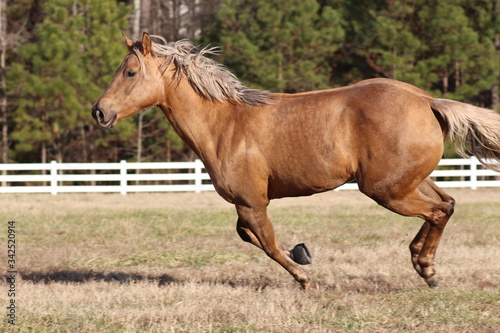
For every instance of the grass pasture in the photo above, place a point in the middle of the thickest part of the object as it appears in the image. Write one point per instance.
(174, 263)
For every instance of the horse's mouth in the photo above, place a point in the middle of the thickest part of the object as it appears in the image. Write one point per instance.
(110, 123)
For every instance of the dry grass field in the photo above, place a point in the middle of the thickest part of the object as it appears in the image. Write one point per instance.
(174, 263)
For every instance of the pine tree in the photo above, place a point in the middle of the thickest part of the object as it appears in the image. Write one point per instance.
(484, 18)
(61, 73)
(456, 52)
(14, 27)
(446, 48)
(395, 48)
(280, 45)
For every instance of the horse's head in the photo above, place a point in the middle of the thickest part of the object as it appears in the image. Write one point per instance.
(137, 84)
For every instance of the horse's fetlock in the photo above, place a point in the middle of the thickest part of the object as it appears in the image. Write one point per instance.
(425, 263)
(415, 249)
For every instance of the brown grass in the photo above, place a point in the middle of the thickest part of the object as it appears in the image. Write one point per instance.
(173, 262)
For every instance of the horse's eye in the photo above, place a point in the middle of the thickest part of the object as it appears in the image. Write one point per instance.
(130, 73)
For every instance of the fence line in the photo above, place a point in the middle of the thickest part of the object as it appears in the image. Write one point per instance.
(125, 177)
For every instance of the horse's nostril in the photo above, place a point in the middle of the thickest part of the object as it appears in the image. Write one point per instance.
(100, 114)
(97, 114)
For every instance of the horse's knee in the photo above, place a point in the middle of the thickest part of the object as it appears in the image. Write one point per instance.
(451, 206)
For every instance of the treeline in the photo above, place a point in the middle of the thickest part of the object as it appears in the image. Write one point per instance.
(58, 56)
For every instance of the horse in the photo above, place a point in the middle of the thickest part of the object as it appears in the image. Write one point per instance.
(256, 145)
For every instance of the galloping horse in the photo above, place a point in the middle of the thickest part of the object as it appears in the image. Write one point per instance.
(256, 145)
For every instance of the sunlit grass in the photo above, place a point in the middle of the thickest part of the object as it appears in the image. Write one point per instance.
(106, 263)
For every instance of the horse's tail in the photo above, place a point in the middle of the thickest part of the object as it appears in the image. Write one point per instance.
(472, 129)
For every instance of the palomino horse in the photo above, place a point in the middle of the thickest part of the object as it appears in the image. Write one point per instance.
(385, 134)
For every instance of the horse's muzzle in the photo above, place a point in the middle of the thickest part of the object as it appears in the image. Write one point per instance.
(101, 119)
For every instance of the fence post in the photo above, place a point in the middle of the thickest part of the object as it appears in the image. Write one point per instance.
(198, 166)
(123, 177)
(473, 172)
(53, 177)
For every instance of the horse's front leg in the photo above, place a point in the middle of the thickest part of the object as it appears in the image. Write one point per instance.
(255, 227)
(247, 235)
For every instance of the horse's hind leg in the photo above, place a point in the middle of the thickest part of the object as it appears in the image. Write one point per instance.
(428, 188)
(435, 207)
(416, 246)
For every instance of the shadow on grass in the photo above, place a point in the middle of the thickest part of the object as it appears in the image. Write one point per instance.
(353, 284)
(72, 276)
(75, 276)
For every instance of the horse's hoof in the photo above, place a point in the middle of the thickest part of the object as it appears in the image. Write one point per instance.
(310, 286)
(432, 282)
(300, 254)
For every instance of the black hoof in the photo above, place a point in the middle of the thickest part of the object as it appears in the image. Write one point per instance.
(300, 254)
(433, 282)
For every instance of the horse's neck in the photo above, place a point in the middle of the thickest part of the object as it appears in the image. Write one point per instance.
(199, 122)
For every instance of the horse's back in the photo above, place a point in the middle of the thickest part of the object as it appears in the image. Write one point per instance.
(379, 107)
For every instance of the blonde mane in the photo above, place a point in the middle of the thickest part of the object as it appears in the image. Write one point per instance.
(207, 77)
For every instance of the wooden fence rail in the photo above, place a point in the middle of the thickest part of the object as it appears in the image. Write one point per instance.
(125, 177)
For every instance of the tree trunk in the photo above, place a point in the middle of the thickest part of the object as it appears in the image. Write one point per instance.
(44, 159)
(169, 157)
(3, 87)
(457, 74)
(85, 152)
(495, 96)
(495, 89)
(139, 142)
(145, 19)
(91, 152)
(136, 27)
(176, 19)
(394, 66)
(157, 23)
(169, 150)
(136, 19)
(445, 84)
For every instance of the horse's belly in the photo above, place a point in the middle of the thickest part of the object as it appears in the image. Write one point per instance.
(307, 184)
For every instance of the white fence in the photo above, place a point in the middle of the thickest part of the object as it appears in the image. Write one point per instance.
(127, 177)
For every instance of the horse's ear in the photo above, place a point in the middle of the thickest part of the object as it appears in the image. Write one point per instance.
(129, 42)
(146, 44)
